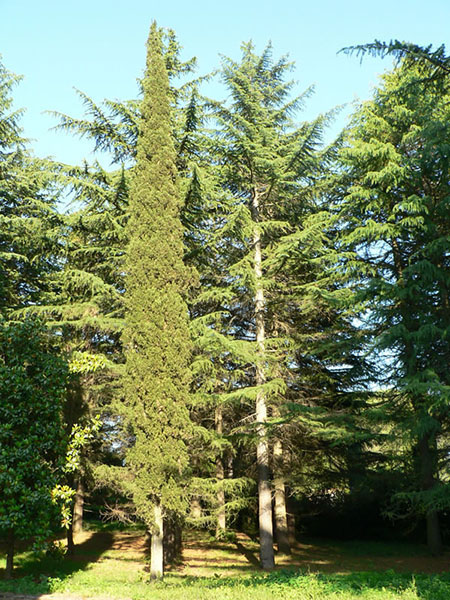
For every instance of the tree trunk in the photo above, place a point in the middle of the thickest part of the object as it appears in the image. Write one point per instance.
(220, 475)
(291, 528)
(76, 524)
(78, 507)
(434, 539)
(427, 455)
(281, 525)
(264, 489)
(10, 554)
(157, 551)
(221, 514)
(262, 448)
(290, 515)
(70, 542)
(196, 507)
(172, 546)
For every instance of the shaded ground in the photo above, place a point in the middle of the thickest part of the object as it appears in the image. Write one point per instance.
(201, 556)
(111, 564)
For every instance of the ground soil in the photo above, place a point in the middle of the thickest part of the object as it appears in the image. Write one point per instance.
(315, 556)
(202, 555)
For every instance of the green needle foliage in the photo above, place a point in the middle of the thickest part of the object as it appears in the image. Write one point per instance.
(156, 338)
(275, 338)
(395, 218)
(29, 223)
(435, 61)
(89, 308)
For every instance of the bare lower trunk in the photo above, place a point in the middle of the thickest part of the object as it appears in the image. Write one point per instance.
(196, 508)
(221, 514)
(262, 448)
(78, 507)
(428, 466)
(264, 493)
(281, 525)
(70, 542)
(9, 555)
(434, 539)
(291, 528)
(157, 552)
(220, 475)
(76, 525)
(172, 545)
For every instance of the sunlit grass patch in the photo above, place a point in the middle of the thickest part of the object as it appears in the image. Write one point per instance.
(112, 564)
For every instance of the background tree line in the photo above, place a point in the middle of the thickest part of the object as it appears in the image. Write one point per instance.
(259, 320)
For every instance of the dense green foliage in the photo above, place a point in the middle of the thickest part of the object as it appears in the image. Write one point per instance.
(259, 319)
(396, 214)
(32, 442)
(156, 337)
(29, 234)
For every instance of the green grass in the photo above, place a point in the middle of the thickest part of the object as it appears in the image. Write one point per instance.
(279, 585)
(110, 564)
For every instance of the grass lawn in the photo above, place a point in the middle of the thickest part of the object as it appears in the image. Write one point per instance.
(111, 564)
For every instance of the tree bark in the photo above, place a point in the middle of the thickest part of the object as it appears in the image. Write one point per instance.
(427, 456)
(157, 545)
(196, 508)
(76, 524)
(220, 476)
(262, 448)
(434, 539)
(172, 546)
(291, 528)
(78, 507)
(281, 525)
(10, 554)
(70, 542)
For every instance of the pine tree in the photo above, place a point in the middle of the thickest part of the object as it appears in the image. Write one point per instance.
(156, 337)
(30, 225)
(435, 62)
(35, 273)
(267, 215)
(396, 220)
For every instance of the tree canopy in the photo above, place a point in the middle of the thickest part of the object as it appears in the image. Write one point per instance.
(258, 320)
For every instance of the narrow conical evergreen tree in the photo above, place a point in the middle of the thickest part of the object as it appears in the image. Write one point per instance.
(157, 344)
(90, 306)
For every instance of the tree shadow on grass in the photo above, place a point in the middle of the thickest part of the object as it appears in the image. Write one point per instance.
(249, 555)
(33, 574)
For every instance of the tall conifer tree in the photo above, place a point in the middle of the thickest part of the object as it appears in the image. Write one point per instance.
(90, 306)
(29, 224)
(156, 338)
(396, 219)
(268, 169)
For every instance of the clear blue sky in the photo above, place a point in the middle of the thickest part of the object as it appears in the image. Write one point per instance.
(98, 46)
